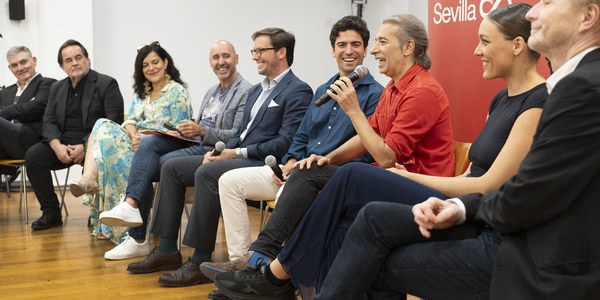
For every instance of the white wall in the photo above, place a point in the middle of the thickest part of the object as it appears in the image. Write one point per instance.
(111, 30)
(187, 29)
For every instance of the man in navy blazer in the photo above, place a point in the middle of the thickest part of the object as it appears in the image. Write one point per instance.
(273, 112)
(538, 236)
(22, 106)
(74, 105)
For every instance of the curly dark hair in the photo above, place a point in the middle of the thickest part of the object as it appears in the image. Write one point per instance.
(350, 23)
(138, 73)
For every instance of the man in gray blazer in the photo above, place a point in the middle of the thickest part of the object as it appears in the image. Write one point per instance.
(219, 118)
(22, 106)
(274, 110)
(74, 105)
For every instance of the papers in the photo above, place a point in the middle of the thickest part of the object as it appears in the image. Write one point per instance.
(158, 132)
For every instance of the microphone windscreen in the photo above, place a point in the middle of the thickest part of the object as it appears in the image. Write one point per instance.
(362, 71)
(220, 146)
(270, 161)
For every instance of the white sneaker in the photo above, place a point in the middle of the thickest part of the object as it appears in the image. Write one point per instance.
(127, 249)
(123, 215)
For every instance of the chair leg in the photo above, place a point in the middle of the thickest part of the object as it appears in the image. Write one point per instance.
(62, 190)
(262, 215)
(7, 183)
(23, 191)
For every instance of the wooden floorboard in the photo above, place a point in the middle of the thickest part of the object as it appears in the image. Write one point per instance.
(67, 263)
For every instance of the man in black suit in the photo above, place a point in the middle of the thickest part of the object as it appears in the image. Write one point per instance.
(538, 236)
(22, 106)
(74, 105)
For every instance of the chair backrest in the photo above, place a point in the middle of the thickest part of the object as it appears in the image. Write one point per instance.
(461, 157)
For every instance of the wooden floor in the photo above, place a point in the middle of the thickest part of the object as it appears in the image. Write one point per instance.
(67, 263)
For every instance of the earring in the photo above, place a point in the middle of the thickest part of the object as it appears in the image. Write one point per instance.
(147, 87)
(167, 78)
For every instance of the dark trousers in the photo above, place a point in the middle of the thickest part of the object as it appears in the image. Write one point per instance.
(40, 159)
(179, 173)
(298, 194)
(312, 248)
(151, 154)
(15, 139)
(385, 256)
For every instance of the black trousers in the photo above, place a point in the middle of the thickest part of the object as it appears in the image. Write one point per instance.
(296, 198)
(176, 175)
(40, 159)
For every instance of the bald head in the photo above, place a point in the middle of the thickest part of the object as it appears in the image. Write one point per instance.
(223, 60)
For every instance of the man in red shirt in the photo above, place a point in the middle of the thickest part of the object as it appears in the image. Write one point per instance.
(410, 126)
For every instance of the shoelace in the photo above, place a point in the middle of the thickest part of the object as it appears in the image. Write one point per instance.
(254, 274)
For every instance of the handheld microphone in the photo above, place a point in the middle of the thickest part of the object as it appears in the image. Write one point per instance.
(358, 73)
(271, 161)
(219, 147)
(167, 125)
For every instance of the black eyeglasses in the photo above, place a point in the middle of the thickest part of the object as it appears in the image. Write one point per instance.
(151, 45)
(259, 51)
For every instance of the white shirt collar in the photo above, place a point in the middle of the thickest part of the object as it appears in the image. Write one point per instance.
(19, 90)
(567, 68)
(266, 84)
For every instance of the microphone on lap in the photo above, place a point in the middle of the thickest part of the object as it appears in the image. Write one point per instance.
(271, 161)
(219, 147)
(360, 72)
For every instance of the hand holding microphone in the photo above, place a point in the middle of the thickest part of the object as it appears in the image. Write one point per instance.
(271, 161)
(167, 125)
(219, 147)
(359, 72)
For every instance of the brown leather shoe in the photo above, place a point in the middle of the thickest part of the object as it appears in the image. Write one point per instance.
(188, 274)
(156, 261)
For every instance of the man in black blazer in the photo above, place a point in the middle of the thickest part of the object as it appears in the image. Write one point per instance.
(74, 105)
(22, 106)
(538, 236)
(274, 109)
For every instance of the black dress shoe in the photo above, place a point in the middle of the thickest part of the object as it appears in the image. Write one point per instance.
(47, 221)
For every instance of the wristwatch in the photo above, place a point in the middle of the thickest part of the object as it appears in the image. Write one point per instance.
(238, 153)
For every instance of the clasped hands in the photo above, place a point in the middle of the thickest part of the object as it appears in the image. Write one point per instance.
(69, 153)
(435, 213)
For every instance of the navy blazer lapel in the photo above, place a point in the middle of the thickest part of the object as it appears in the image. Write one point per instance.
(281, 86)
(88, 94)
(252, 97)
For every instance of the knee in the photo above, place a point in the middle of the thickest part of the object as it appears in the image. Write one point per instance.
(33, 154)
(169, 168)
(203, 173)
(352, 167)
(227, 182)
(370, 211)
(146, 145)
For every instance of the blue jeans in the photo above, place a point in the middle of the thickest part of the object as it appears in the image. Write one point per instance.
(384, 256)
(152, 152)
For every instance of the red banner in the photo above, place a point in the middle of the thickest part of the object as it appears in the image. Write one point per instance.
(452, 27)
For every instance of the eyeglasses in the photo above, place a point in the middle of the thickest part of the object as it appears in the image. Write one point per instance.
(151, 45)
(259, 51)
